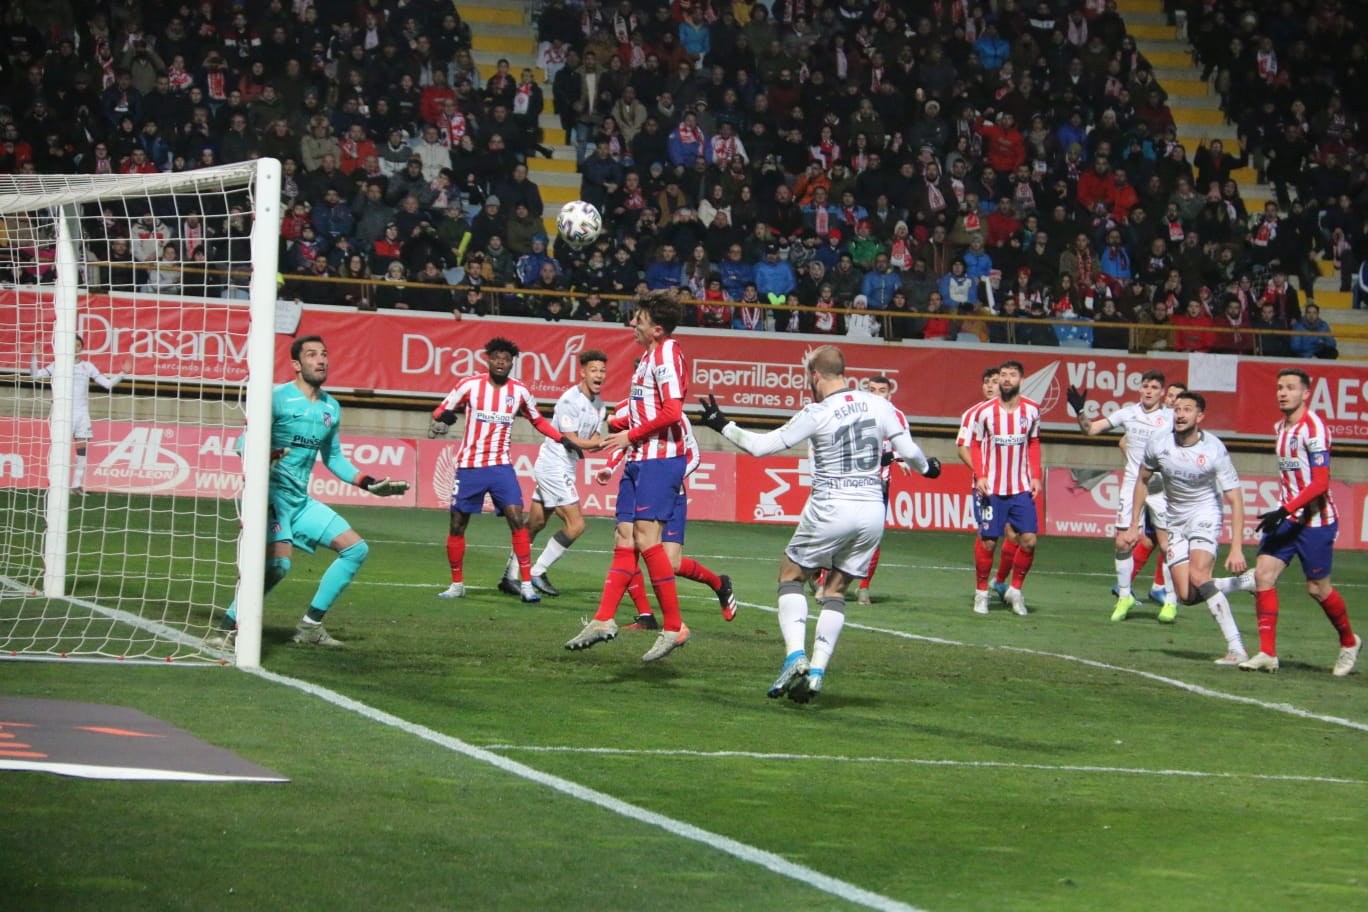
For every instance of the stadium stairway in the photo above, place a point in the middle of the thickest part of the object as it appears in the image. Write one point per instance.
(502, 29)
(1197, 112)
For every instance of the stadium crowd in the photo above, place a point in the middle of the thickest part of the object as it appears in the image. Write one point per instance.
(897, 170)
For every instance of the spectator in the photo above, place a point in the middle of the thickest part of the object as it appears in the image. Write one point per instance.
(1194, 333)
(1267, 325)
(1236, 336)
(1313, 346)
(1156, 333)
(1105, 333)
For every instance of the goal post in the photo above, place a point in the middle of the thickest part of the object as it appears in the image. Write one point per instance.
(137, 358)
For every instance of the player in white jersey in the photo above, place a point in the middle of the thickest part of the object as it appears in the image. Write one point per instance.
(843, 521)
(491, 403)
(82, 431)
(1007, 554)
(579, 412)
(1304, 524)
(1005, 451)
(1197, 474)
(882, 387)
(1140, 422)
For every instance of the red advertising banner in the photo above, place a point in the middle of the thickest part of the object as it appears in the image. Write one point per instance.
(1083, 503)
(425, 355)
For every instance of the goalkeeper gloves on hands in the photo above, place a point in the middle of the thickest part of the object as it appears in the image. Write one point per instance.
(887, 458)
(382, 487)
(1078, 399)
(1269, 522)
(933, 467)
(712, 415)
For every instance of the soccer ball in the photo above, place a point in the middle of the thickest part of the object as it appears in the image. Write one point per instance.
(579, 223)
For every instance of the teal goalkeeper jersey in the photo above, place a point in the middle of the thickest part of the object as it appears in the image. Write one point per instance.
(308, 429)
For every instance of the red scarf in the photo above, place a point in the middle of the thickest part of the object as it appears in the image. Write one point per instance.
(751, 317)
(522, 99)
(689, 135)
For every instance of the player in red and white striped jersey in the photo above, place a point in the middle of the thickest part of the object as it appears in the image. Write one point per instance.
(1304, 524)
(1005, 451)
(1007, 556)
(654, 476)
(882, 387)
(484, 466)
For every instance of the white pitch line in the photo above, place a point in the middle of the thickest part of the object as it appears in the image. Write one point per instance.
(739, 850)
(914, 761)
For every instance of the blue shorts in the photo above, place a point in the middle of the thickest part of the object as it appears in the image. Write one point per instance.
(305, 525)
(649, 489)
(1314, 546)
(499, 482)
(1001, 509)
(674, 526)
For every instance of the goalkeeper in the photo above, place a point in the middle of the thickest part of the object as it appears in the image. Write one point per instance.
(304, 425)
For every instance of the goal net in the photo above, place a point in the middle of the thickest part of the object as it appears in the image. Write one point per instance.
(137, 340)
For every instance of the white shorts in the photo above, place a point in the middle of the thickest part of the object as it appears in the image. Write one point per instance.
(1198, 532)
(555, 487)
(1156, 503)
(81, 428)
(837, 535)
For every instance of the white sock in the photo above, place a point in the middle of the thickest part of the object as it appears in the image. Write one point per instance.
(78, 477)
(793, 613)
(511, 568)
(1229, 584)
(829, 624)
(550, 554)
(1220, 610)
(1125, 567)
(1168, 577)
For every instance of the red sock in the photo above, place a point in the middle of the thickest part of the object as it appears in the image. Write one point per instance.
(1159, 573)
(1022, 566)
(456, 556)
(522, 550)
(873, 565)
(661, 571)
(615, 583)
(983, 565)
(692, 569)
(1266, 610)
(636, 588)
(1141, 554)
(1005, 561)
(1334, 609)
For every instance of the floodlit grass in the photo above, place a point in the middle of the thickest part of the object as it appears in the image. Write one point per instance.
(953, 762)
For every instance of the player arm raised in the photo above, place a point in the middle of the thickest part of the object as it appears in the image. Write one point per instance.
(797, 429)
(342, 467)
(1078, 401)
(546, 428)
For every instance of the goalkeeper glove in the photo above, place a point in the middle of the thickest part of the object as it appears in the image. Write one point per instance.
(382, 487)
(933, 467)
(574, 449)
(712, 415)
(1078, 399)
(1269, 522)
(887, 458)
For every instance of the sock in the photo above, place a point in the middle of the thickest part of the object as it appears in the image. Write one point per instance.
(1125, 572)
(456, 556)
(339, 575)
(314, 615)
(556, 547)
(873, 565)
(511, 566)
(983, 565)
(1334, 609)
(636, 588)
(1166, 575)
(1229, 584)
(1220, 610)
(793, 614)
(692, 569)
(1266, 610)
(1022, 566)
(277, 568)
(829, 624)
(522, 550)
(662, 575)
(620, 573)
(1005, 561)
(1139, 554)
(78, 476)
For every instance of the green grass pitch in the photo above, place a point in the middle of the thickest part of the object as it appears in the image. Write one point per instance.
(954, 762)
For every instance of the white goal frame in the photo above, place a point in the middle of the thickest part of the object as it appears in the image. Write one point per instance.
(62, 195)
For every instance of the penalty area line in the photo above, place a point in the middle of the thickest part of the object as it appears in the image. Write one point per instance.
(739, 850)
(919, 761)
